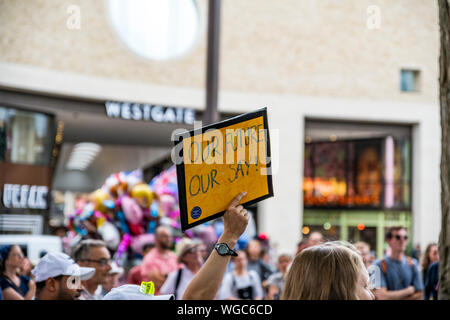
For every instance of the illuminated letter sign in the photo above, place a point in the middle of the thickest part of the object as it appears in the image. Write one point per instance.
(18, 196)
(147, 112)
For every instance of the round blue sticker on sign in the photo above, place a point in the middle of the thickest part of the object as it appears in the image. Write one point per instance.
(196, 212)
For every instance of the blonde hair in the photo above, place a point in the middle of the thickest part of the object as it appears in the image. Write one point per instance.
(328, 271)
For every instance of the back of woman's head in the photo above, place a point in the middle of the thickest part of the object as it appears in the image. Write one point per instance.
(4, 254)
(328, 271)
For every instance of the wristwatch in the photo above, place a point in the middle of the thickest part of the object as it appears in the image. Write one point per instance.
(223, 249)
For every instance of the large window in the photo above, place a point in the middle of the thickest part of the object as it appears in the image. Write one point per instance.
(365, 173)
(25, 137)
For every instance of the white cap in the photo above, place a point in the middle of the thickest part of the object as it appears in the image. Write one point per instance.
(132, 292)
(115, 269)
(59, 264)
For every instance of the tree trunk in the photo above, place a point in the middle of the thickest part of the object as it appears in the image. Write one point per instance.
(444, 97)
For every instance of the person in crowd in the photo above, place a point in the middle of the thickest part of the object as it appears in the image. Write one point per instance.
(275, 283)
(159, 261)
(303, 244)
(364, 250)
(431, 282)
(328, 271)
(400, 278)
(314, 238)
(1, 295)
(241, 283)
(346, 264)
(417, 252)
(26, 268)
(58, 277)
(431, 255)
(190, 256)
(135, 273)
(254, 253)
(430, 271)
(94, 254)
(147, 247)
(203, 250)
(14, 285)
(112, 280)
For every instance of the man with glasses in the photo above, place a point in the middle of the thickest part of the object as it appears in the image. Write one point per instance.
(94, 254)
(400, 278)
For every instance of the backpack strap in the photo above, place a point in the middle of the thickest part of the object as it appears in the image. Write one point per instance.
(384, 266)
(177, 281)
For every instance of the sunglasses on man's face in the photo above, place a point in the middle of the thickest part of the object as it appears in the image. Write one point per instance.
(399, 237)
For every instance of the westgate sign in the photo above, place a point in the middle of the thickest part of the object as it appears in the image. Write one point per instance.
(149, 112)
(25, 196)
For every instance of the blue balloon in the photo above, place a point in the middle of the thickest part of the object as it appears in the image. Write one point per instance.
(123, 222)
(109, 204)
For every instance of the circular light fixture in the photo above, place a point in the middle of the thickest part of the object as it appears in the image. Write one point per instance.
(155, 29)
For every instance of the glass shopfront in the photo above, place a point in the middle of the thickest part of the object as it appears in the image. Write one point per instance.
(25, 137)
(357, 179)
(26, 155)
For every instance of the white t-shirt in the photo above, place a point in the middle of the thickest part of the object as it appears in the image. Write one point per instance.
(169, 285)
(229, 289)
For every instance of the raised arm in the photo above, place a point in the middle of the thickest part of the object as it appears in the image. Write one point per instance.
(206, 282)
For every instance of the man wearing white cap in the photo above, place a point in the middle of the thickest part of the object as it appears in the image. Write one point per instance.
(58, 277)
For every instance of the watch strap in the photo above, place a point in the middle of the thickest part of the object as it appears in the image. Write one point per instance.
(230, 251)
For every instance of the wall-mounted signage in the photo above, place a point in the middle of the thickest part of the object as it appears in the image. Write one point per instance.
(149, 112)
(24, 196)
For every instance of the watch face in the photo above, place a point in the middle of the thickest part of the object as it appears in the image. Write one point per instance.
(222, 249)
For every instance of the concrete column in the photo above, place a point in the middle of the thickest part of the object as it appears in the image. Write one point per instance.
(281, 216)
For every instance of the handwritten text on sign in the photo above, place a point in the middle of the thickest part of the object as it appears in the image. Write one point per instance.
(220, 163)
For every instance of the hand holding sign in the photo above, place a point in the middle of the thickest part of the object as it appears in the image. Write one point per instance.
(235, 219)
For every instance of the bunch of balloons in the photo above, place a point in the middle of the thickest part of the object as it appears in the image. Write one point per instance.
(125, 212)
(119, 213)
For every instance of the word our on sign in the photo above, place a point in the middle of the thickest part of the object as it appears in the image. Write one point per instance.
(24, 196)
(147, 112)
(220, 161)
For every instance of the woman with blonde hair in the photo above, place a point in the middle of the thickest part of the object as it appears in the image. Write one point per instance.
(329, 271)
(333, 270)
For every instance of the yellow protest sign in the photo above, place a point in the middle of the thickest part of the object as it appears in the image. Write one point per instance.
(219, 161)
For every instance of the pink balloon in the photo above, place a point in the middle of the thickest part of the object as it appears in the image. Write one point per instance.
(132, 210)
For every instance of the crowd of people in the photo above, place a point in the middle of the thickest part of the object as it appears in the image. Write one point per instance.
(318, 270)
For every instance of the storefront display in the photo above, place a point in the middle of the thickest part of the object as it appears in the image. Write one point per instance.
(354, 174)
(27, 140)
